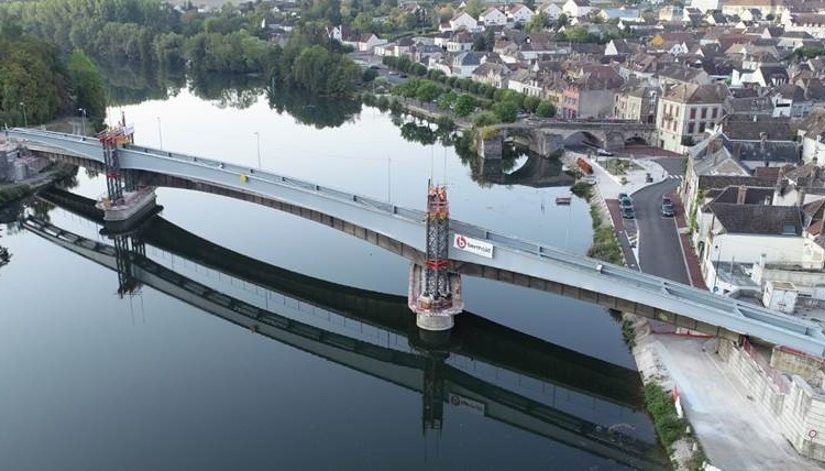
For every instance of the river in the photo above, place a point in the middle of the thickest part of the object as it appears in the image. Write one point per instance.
(149, 380)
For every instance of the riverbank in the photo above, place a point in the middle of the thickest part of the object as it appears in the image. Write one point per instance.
(14, 191)
(605, 245)
(672, 427)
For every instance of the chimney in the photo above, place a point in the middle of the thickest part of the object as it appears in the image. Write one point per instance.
(800, 196)
(741, 193)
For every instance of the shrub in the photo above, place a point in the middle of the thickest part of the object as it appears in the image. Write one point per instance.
(545, 109)
(485, 119)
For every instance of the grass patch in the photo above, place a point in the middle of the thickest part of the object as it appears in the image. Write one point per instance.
(620, 167)
(628, 333)
(698, 460)
(605, 247)
(669, 427)
(582, 190)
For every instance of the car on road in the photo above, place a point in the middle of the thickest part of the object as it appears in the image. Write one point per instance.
(625, 201)
(627, 212)
(605, 153)
(667, 207)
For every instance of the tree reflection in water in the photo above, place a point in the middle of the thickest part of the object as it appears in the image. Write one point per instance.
(311, 110)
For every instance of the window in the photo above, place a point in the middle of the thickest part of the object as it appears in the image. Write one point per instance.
(693, 113)
(702, 127)
(691, 128)
(714, 113)
(704, 112)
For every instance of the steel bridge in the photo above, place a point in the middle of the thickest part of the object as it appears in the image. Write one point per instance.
(403, 231)
(421, 367)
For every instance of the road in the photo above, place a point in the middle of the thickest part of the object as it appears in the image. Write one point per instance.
(660, 252)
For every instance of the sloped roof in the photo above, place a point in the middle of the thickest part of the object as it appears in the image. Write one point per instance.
(697, 94)
(758, 219)
(814, 123)
(745, 127)
(724, 181)
(752, 195)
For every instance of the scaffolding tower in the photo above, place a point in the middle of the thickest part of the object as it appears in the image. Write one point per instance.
(436, 292)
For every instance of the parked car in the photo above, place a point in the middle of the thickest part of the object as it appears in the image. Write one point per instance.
(605, 153)
(667, 207)
(627, 212)
(625, 201)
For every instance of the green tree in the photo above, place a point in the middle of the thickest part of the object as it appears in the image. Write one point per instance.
(506, 111)
(447, 100)
(428, 91)
(485, 119)
(577, 34)
(562, 20)
(537, 23)
(465, 104)
(88, 86)
(545, 109)
(474, 7)
(362, 23)
(531, 103)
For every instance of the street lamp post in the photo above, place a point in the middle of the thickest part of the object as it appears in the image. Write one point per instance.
(25, 118)
(258, 141)
(83, 123)
(716, 268)
(160, 134)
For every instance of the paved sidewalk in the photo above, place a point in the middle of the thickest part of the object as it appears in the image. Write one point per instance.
(691, 259)
(611, 185)
(734, 435)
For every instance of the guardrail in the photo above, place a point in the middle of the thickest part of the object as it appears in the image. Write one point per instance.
(720, 305)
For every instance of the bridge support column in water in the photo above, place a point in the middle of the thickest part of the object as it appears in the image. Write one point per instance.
(435, 292)
(125, 200)
(125, 247)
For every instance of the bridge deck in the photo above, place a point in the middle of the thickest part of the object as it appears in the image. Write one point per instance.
(598, 282)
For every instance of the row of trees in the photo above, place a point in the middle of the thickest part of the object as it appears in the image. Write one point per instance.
(503, 106)
(148, 32)
(38, 83)
(151, 35)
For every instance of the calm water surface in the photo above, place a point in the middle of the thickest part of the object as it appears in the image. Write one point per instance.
(92, 380)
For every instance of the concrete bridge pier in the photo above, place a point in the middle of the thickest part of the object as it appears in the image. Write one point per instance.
(126, 200)
(435, 292)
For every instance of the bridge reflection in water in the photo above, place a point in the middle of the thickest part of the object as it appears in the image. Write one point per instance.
(433, 365)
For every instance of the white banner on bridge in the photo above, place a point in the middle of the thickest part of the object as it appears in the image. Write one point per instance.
(474, 246)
